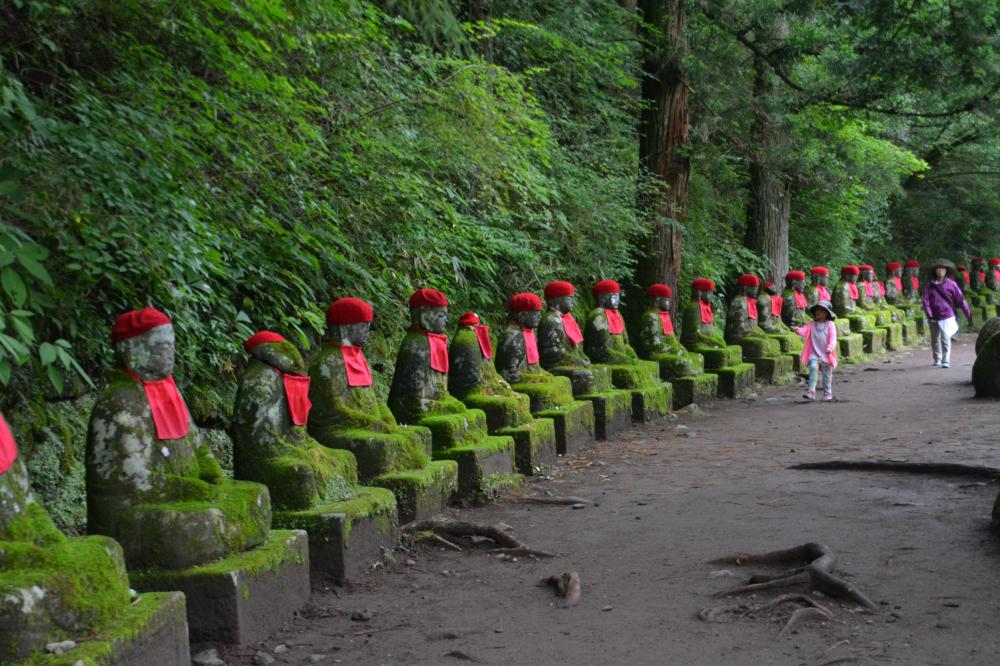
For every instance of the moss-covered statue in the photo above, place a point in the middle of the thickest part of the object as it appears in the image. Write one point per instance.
(312, 487)
(964, 278)
(419, 396)
(561, 352)
(913, 295)
(743, 329)
(153, 485)
(348, 414)
(770, 304)
(700, 334)
(605, 340)
(993, 275)
(978, 274)
(795, 308)
(845, 292)
(474, 380)
(819, 286)
(894, 283)
(986, 369)
(846, 295)
(872, 295)
(518, 361)
(54, 588)
(657, 341)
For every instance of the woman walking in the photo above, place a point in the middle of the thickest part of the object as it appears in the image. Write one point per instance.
(942, 299)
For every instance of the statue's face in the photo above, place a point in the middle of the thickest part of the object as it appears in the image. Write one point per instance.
(527, 318)
(979, 265)
(751, 291)
(910, 271)
(697, 295)
(820, 279)
(611, 300)
(850, 277)
(661, 303)
(867, 276)
(351, 335)
(563, 304)
(434, 320)
(797, 285)
(150, 355)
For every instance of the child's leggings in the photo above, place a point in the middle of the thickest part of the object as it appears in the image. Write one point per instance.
(816, 368)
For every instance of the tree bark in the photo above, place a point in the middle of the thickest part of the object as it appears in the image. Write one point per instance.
(663, 139)
(769, 206)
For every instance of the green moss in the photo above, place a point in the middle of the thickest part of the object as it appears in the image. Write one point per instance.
(652, 401)
(735, 379)
(378, 453)
(696, 389)
(772, 369)
(546, 395)
(452, 430)
(759, 345)
(534, 444)
(502, 411)
(634, 375)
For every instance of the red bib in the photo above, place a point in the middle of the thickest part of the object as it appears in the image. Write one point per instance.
(981, 275)
(881, 288)
(853, 289)
(8, 447)
(297, 392)
(870, 289)
(666, 323)
(776, 303)
(800, 299)
(356, 365)
(572, 329)
(170, 414)
(965, 276)
(898, 281)
(530, 345)
(824, 293)
(996, 275)
(485, 344)
(751, 307)
(439, 351)
(615, 324)
(914, 283)
(707, 316)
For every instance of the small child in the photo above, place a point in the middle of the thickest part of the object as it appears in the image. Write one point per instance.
(820, 349)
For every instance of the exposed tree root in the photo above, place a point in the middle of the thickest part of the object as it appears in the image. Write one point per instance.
(803, 615)
(567, 586)
(941, 469)
(453, 528)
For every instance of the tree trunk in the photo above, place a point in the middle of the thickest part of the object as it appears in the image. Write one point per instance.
(770, 201)
(663, 139)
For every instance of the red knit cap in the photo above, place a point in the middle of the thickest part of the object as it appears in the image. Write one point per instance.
(748, 280)
(702, 284)
(769, 284)
(260, 338)
(428, 298)
(524, 302)
(469, 319)
(995, 261)
(795, 275)
(558, 288)
(866, 267)
(850, 269)
(606, 287)
(137, 322)
(892, 266)
(348, 310)
(658, 290)
(820, 270)
(977, 258)
(912, 263)
(962, 267)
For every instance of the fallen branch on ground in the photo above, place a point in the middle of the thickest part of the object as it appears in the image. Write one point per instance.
(804, 615)
(454, 528)
(567, 586)
(943, 469)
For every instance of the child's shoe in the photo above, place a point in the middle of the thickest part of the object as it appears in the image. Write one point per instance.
(828, 396)
(809, 395)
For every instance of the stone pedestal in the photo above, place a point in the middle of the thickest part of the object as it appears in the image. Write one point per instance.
(893, 335)
(612, 407)
(551, 397)
(698, 389)
(245, 597)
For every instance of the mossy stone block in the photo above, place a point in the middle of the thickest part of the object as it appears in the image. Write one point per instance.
(484, 468)
(718, 357)
(978, 317)
(758, 346)
(860, 321)
(634, 375)
(796, 360)
(735, 379)
(421, 493)
(682, 364)
(652, 402)
(874, 340)
(772, 369)
(893, 336)
(986, 369)
(534, 445)
(245, 597)
(346, 537)
(922, 327)
(574, 424)
(502, 411)
(586, 380)
(612, 412)
(910, 335)
(787, 342)
(882, 318)
(547, 395)
(449, 431)
(408, 447)
(852, 347)
(700, 389)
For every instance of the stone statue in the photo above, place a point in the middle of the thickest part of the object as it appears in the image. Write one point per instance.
(978, 273)
(794, 310)
(561, 353)
(419, 396)
(868, 294)
(700, 334)
(886, 318)
(606, 341)
(845, 292)
(474, 379)
(769, 306)
(819, 287)
(964, 277)
(911, 281)
(54, 588)
(347, 414)
(657, 341)
(894, 283)
(993, 275)
(743, 329)
(308, 482)
(846, 295)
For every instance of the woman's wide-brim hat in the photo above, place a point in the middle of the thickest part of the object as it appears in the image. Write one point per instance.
(826, 306)
(946, 264)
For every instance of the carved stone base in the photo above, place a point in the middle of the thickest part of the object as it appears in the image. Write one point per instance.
(772, 369)
(421, 493)
(484, 468)
(346, 538)
(245, 597)
(612, 412)
(735, 379)
(893, 336)
(796, 359)
(910, 335)
(719, 358)
(874, 340)
(851, 348)
(574, 423)
(652, 402)
(699, 389)
(534, 445)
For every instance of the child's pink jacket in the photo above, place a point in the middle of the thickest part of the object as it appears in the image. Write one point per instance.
(831, 344)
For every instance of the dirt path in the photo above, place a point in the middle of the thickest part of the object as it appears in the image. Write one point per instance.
(672, 497)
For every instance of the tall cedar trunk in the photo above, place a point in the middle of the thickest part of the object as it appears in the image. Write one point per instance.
(663, 138)
(770, 201)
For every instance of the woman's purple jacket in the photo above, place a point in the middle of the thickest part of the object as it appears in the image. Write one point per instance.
(942, 299)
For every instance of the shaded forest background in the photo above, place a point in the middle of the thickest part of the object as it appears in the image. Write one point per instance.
(241, 164)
